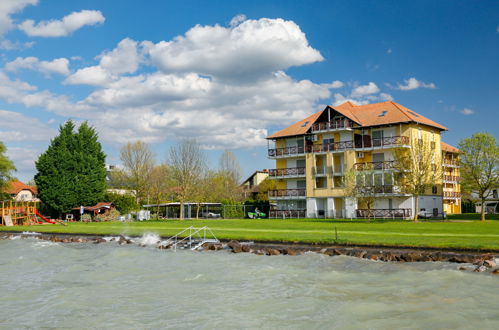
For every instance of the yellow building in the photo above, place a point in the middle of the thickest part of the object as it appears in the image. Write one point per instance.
(450, 179)
(313, 155)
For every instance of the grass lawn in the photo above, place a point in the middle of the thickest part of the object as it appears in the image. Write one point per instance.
(459, 234)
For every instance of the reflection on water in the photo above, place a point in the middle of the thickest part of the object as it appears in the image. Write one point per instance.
(52, 285)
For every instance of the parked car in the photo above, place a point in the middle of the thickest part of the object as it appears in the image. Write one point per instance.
(210, 215)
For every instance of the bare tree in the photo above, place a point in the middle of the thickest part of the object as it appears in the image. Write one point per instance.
(361, 186)
(229, 176)
(480, 166)
(138, 162)
(419, 168)
(188, 165)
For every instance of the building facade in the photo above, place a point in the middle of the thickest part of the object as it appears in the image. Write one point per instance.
(313, 155)
(451, 179)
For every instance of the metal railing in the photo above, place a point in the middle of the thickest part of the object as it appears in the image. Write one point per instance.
(191, 238)
(451, 178)
(292, 171)
(451, 163)
(384, 165)
(288, 214)
(332, 125)
(286, 151)
(383, 213)
(298, 192)
(378, 189)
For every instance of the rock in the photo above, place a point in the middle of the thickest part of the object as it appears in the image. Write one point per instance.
(246, 248)
(495, 271)
(361, 254)
(232, 244)
(273, 252)
(489, 263)
(480, 269)
(259, 252)
(463, 268)
(99, 240)
(124, 240)
(237, 248)
(289, 252)
(374, 257)
(323, 251)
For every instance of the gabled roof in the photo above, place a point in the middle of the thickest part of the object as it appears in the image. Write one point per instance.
(375, 114)
(15, 187)
(448, 148)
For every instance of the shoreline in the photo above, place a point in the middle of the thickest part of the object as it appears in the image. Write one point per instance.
(482, 260)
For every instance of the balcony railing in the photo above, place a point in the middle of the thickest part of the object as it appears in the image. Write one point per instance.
(451, 178)
(452, 194)
(292, 171)
(287, 213)
(384, 213)
(385, 165)
(286, 151)
(451, 163)
(299, 192)
(332, 125)
(340, 146)
(378, 189)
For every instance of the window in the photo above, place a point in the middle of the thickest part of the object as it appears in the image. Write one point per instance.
(494, 193)
(305, 124)
(383, 113)
(435, 212)
(434, 189)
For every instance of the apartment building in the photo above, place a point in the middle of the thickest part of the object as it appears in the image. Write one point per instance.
(313, 155)
(450, 179)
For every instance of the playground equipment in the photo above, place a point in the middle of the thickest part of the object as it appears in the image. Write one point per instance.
(22, 214)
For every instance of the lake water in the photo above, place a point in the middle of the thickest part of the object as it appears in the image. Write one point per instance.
(54, 285)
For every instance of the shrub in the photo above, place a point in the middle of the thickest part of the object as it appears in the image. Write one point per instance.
(86, 217)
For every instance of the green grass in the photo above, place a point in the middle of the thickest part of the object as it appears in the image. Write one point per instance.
(457, 235)
(472, 216)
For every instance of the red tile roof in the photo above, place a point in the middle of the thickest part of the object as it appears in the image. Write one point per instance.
(15, 187)
(365, 115)
(448, 148)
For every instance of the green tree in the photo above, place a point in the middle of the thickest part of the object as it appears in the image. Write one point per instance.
(6, 168)
(125, 203)
(480, 166)
(71, 172)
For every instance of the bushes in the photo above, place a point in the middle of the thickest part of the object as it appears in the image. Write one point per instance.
(124, 203)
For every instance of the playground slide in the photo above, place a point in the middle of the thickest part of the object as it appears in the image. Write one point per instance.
(43, 218)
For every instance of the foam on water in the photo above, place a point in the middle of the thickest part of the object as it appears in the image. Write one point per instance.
(148, 239)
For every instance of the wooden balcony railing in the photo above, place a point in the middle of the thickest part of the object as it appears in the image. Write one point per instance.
(287, 214)
(451, 178)
(292, 171)
(452, 194)
(385, 165)
(298, 192)
(332, 125)
(384, 213)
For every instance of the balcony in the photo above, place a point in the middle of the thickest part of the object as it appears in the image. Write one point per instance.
(298, 192)
(369, 142)
(369, 166)
(451, 179)
(287, 172)
(288, 151)
(283, 214)
(452, 194)
(334, 125)
(451, 163)
(380, 189)
(384, 213)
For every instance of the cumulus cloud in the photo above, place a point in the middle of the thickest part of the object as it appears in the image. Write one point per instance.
(246, 51)
(237, 19)
(9, 7)
(58, 65)
(64, 27)
(413, 83)
(363, 90)
(467, 111)
(15, 127)
(15, 45)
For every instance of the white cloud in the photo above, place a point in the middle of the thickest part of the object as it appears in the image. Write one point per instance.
(467, 112)
(16, 127)
(92, 75)
(9, 7)
(237, 19)
(9, 45)
(64, 27)
(335, 84)
(244, 52)
(363, 90)
(59, 65)
(413, 83)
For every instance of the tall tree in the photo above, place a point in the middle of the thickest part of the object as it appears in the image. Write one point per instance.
(188, 165)
(229, 176)
(6, 168)
(138, 161)
(419, 168)
(159, 184)
(71, 172)
(480, 166)
(361, 185)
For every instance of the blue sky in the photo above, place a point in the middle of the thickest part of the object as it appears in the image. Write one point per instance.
(231, 72)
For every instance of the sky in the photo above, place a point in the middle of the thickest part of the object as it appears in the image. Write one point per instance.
(230, 73)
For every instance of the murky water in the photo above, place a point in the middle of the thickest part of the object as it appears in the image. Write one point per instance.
(52, 285)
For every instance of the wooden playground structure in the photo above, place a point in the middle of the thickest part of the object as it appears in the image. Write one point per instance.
(21, 214)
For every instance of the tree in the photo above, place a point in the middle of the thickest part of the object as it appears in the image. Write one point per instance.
(188, 165)
(264, 187)
(159, 184)
(71, 172)
(229, 176)
(6, 168)
(361, 185)
(124, 203)
(480, 165)
(138, 162)
(419, 168)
